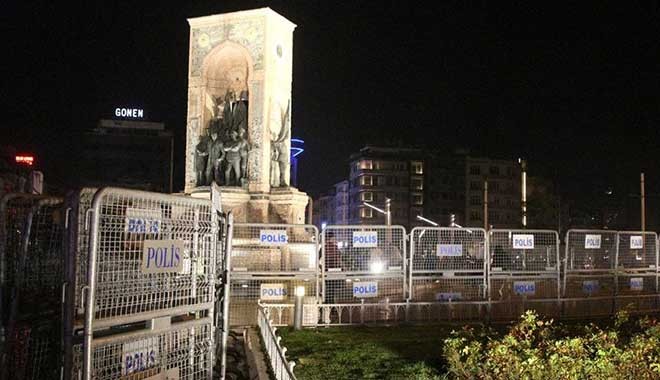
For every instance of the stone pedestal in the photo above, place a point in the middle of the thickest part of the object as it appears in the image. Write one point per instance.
(282, 205)
(247, 52)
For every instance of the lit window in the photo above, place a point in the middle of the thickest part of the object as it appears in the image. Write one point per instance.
(417, 167)
(417, 184)
(368, 196)
(366, 213)
(366, 180)
(366, 164)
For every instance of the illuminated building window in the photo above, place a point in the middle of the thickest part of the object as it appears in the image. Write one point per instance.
(366, 213)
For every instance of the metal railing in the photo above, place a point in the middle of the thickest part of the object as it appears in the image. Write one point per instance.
(282, 369)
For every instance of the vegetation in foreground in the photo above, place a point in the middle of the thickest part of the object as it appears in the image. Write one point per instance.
(533, 348)
(537, 349)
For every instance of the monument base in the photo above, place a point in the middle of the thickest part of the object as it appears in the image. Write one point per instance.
(282, 205)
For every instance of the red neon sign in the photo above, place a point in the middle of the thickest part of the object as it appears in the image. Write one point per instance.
(25, 160)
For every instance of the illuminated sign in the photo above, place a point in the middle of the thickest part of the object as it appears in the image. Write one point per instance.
(133, 113)
(25, 160)
(523, 241)
(273, 237)
(365, 239)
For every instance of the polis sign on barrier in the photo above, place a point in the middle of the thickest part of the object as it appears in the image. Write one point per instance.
(273, 292)
(273, 237)
(162, 256)
(523, 241)
(365, 239)
(139, 356)
(637, 283)
(365, 289)
(590, 286)
(636, 242)
(454, 296)
(451, 250)
(140, 221)
(524, 287)
(592, 242)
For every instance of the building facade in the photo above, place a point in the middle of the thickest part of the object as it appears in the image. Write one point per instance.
(437, 185)
(381, 173)
(132, 154)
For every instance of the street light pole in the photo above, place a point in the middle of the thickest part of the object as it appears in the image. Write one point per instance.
(643, 202)
(523, 203)
(388, 215)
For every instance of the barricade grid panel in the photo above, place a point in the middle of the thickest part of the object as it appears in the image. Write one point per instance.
(14, 209)
(33, 351)
(247, 290)
(363, 263)
(447, 263)
(637, 251)
(447, 249)
(80, 205)
(181, 353)
(275, 248)
(42, 264)
(589, 265)
(523, 251)
(129, 221)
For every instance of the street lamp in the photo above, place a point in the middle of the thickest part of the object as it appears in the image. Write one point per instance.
(429, 221)
(386, 212)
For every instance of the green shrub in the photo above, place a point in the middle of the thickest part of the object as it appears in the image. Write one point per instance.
(538, 349)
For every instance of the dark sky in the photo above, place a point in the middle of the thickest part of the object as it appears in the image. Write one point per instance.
(574, 89)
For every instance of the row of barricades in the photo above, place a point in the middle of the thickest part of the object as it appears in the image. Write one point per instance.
(507, 269)
(111, 283)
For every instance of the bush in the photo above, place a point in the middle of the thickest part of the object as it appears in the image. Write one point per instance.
(538, 349)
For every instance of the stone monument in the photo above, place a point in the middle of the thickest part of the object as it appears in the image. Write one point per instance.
(239, 114)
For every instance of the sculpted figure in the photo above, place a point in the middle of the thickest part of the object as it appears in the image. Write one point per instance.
(215, 154)
(201, 158)
(280, 151)
(233, 158)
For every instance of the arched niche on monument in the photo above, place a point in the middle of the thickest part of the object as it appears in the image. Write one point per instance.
(226, 72)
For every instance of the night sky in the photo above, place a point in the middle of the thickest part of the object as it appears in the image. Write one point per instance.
(575, 90)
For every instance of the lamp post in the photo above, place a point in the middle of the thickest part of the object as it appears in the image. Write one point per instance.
(387, 212)
(523, 193)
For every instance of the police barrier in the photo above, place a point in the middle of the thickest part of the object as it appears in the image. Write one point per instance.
(14, 209)
(363, 263)
(180, 351)
(77, 211)
(448, 264)
(151, 257)
(589, 271)
(268, 262)
(35, 313)
(636, 268)
(523, 265)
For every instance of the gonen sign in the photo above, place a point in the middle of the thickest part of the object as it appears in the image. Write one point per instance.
(133, 113)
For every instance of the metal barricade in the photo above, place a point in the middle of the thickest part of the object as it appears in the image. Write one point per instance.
(182, 351)
(589, 271)
(447, 265)
(33, 347)
(636, 269)
(363, 264)
(523, 267)
(77, 207)
(268, 262)
(151, 266)
(14, 209)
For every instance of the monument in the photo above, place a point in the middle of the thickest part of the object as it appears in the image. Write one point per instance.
(239, 114)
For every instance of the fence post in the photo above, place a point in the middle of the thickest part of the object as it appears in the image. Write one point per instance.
(362, 311)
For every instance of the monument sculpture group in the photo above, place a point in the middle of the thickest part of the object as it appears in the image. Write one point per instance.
(239, 114)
